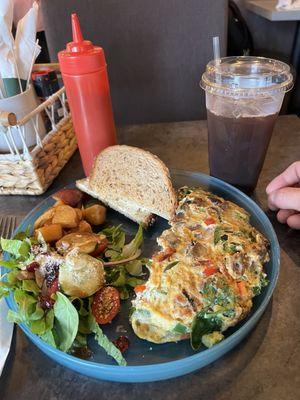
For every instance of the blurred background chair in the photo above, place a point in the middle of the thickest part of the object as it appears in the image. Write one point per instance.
(156, 51)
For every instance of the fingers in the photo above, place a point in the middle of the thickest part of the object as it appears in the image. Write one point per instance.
(286, 198)
(283, 215)
(289, 177)
(294, 221)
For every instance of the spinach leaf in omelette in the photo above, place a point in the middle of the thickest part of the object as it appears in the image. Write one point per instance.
(203, 324)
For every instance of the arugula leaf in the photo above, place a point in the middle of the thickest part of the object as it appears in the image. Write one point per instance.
(10, 284)
(133, 282)
(29, 285)
(30, 312)
(49, 319)
(12, 277)
(84, 326)
(112, 255)
(123, 291)
(38, 327)
(116, 239)
(79, 305)
(41, 321)
(37, 314)
(105, 343)
(134, 267)
(23, 235)
(4, 290)
(203, 323)
(116, 276)
(26, 303)
(66, 321)
(10, 264)
(14, 317)
(80, 340)
(131, 248)
(15, 247)
(48, 337)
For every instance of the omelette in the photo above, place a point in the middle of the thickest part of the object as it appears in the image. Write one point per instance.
(203, 280)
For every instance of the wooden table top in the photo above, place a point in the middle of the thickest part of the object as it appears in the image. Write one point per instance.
(264, 366)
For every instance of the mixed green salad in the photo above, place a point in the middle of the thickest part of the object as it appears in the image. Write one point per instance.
(61, 320)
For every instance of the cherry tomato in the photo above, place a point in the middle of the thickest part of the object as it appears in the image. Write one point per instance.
(106, 304)
(209, 221)
(101, 246)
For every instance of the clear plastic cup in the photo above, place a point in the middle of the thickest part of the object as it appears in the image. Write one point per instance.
(243, 98)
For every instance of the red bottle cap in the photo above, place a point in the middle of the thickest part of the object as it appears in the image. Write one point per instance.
(80, 56)
(37, 74)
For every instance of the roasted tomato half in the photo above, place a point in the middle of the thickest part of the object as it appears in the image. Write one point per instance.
(106, 304)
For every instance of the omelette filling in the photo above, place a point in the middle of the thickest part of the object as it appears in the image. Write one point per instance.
(204, 278)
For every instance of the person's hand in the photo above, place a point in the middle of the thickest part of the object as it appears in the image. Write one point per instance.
(284, 195)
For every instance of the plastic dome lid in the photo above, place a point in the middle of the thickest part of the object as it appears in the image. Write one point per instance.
(246, 76)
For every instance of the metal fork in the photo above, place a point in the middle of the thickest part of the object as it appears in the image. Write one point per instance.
(8, 224)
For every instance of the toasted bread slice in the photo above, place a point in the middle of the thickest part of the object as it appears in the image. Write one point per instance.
(131, 211)
(132, 181)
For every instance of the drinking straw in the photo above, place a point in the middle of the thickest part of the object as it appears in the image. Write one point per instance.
(32, 62)
(216, 48)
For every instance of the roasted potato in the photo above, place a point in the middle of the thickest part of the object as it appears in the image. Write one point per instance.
(83, 226)
(46, 217)
(66, 216)
(94, 215)
(71, 197)
(51, 233)
(79, 213)
(81, 275)
(84, 241)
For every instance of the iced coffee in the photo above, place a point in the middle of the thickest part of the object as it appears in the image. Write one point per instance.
(243, 98)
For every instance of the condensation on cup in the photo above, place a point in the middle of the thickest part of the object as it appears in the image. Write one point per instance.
(243, 98)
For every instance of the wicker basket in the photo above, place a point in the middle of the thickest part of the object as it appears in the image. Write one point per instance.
(31, 170)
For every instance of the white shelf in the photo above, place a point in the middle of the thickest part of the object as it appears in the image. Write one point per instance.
(267, 9)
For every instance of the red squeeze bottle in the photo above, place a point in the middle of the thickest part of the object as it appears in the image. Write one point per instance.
(83, 69)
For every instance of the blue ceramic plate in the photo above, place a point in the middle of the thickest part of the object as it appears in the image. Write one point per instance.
(151, 362)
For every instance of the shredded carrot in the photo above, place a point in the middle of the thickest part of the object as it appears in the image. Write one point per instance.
(210, 271)
(242, 288)
(139, 288)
